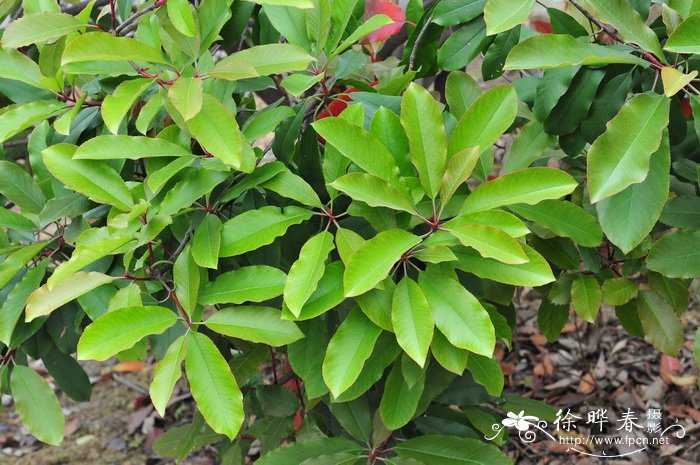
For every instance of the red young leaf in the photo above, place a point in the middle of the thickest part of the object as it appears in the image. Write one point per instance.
(384, 7)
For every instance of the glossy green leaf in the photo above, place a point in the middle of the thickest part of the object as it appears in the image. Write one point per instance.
(102, 46)
(618, 291)
(373, 191)
(292, 186)
(463, 46)
(255, 324)
(564, 219)
(166, 373)
(306, 358)
(487, 372)
(255, 283)
(490, 242)
(16, 119)
(256, 228)
(39, 27)
(37, 405)
(306, 271)
(19, 188)
(299, 452)
(661, 325)
(186, 96)
(94, 179)
(264, 60)
(501, 15)
(120, 329)
(458, 314)
(529, 186)
(348, 349)
(399, 400)
(186, 278)
(181, 16)
(116, 105)
(213, 386)
(450, 357)
(298, 83)
(411, 320)
(561, 50)
(685, 37)
(620, 157)
(551, 319)
(586, 297)
(422, 121)
(450, 450)
(536, 272)
(372, 262)
(16, 300)
(206, 242)
(216, 130)
(17, 66)
(500, 219)
(676, 255)
(127, 147)
(461, 90)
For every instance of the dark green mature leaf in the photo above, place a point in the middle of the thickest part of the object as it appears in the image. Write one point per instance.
(681, 212)
(676, 255)
(299, 452)
(455, 12)
(495, 56)
(399, 400)
(461, 90)
(463, 46)
(306, 358)
(355, 417)
(121, 329)
(16, 300)
(487, 372)
(551, 319)
(37, 405)
(450, 450)
(20, 188)
(68, 374)
(255, 324)
(661, 325)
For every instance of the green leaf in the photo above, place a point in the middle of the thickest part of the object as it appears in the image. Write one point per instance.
(661, 325)
(120, 329)
(68, 375)
(507, 222)
(435, 254)
(536, 272)
(551, 319)
(399, 400)
(461, 90)
(298, 83)
(102, 46)
(255, 283)
(627, 22)
(37, 405)
(306, 358)
(47, 299)
(561, 50)
(359, 146)
(674, 80)
(17, 298)
(256, 228)
(327, 295)
(213, 386)
(527, 147)
(298, 452)
(501, 15)
(422, 120)
(127, 147)
(255, 324)
(485, 120)
(450, 450)
(265, 121)
(94, 179)
(530, 186)
(629, 216)
(116, 106)
(463, 46)
(450, 357)
(11, 220)
(676, 255)
(16, 259)
(306, 272)
(19, 187)
(619, 291)
(264, 60)
(370, 25)
(586, 296)
(186, 96)
(206, 242)
(16, 119)
(186, 278)
(681, 212)
(373, 191)
(487, 372)
(620, 157)
(354, 417)
(166, 373)
(39, 27)
(496, 54)
(181, 16)
(684, 38)
(458, 314)
(458, 170)
(347, 351)
(458, 11)
(372, 262)
(291, 186)
(216, 130)
(191, 188)
(490, 242)
(564, 219)
(17, 66)
(411, 320)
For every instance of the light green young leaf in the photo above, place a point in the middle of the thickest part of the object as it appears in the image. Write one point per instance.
(292, 186)
(370, 25)
(206, 242)
(213, 386)
(16, 259)
(374, 259)
(676, 255)
(501, 15)
(216, 130)
(102, 46)
(17, 66)
(619, 291)
(190, 189)
(298, 83)
(127, 147)
(450, 357)
(256, 228)
(255, 283)
(11, 220)
(347, 351)
(530, 186)
(20, 188)
(586, 296)
(536, 272)
(186, 278)
(411, 320)
(45, 300)
(373, 191)
(661, 325)
(490, 242)
(39, 27)
(20, 117)
(620, 157)
(487, 372)
(256, 324)
(564, 219)
(94, 179)
(306, 271)
(458, 170)
(561, 50)
(17, 298)
(485, 120)
(685, 37)
(181, 16)
(37, 405)
(186, 96)
(458, 314)
(265, 121)
(422, 120)
(120, 329)
(527, 147)
(116, 105)
(264, 60)
(166, 373)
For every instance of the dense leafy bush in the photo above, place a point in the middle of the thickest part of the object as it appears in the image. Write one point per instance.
(370, 249)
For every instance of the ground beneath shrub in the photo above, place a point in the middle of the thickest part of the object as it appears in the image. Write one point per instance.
(589, 367)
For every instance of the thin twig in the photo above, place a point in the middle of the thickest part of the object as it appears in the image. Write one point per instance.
(124, 27)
